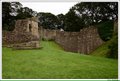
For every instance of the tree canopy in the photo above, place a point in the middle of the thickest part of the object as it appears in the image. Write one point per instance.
(48, 20)
(90, 13)
(79, 16)
(11, 11)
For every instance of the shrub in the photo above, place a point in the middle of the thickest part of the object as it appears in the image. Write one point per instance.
(105, 30)
(113, 53)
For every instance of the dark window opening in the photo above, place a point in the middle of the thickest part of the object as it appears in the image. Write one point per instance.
(30, 27)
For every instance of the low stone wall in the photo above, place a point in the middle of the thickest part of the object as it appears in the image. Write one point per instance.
(27, 45)
(84, 41)
(9, 37)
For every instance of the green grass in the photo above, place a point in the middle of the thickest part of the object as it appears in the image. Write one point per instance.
(103, 50)
(53, 62)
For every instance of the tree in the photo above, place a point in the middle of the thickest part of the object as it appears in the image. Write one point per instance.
(48, 20)
(113, 53)
(91, 13)
(61, 19)
(73, 22)
(11, 11)
(25, 12)
(105, 30)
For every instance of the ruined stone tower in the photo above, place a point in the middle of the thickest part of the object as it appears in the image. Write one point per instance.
(29, 25)
(25, 35)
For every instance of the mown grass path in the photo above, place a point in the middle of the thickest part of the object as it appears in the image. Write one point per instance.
(53, 62)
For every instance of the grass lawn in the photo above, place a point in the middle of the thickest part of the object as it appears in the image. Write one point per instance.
(53, 62)
(102, 51)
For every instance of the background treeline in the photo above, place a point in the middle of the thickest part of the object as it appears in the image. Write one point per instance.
(81, 15)
(11, 11)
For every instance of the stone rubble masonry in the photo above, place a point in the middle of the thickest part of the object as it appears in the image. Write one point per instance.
(89, 40)
(47, 34)
(85, 41)
(25, 32)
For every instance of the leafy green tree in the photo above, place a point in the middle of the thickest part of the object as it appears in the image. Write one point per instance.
(91, 13)
(113, 53)
(73, 22)
(25, 12)
(61, 19)
(105, 30)
(48, 20)
(11, 11)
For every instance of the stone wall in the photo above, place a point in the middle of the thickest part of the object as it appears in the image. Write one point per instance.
(88, 40)
(68, 40)
(13, 38)
(27, 25)
(84, 41)
(47, 34)
(26, 30)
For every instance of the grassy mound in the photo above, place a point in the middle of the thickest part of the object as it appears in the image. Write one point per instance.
(53, 62)
(103, 50)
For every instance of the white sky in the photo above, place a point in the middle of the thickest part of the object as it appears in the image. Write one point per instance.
(52, 7)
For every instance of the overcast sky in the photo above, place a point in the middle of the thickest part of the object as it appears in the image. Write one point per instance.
(52, 7)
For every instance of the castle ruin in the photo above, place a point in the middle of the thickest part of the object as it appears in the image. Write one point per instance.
(27, 36)
(84, 42)
(24, 36)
